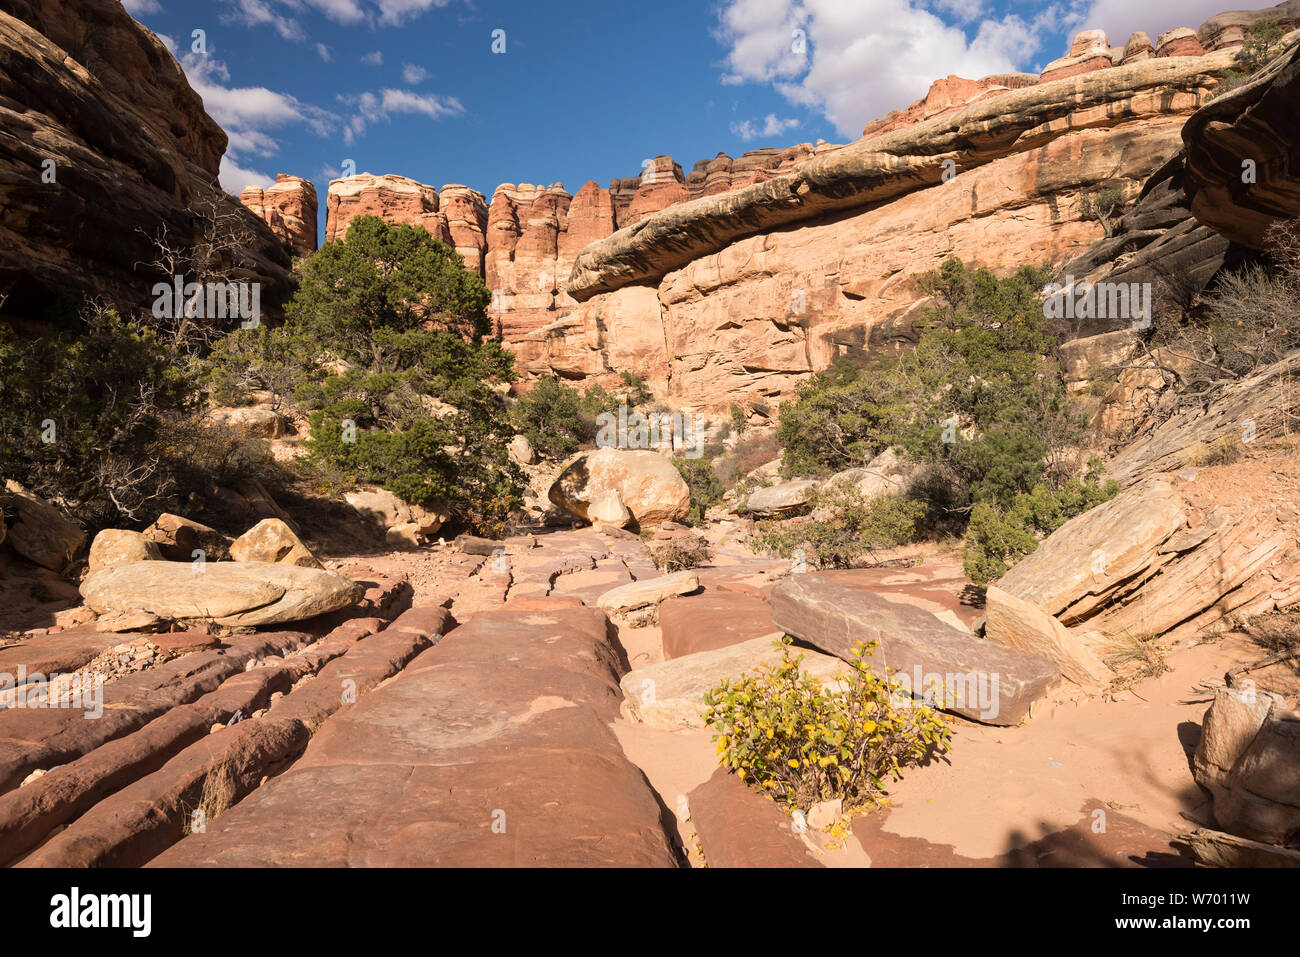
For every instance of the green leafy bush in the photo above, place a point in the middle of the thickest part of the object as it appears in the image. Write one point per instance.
(997, 539)
(86, 417)
(1263, 43)
(384, 346)
(705, 487)
(800, 742)
(558, 419)
(844, 527)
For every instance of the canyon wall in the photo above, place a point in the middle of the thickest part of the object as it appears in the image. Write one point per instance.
(104, 148)
(731, 282)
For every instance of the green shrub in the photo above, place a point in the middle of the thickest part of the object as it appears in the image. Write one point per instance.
(844, 527)
(554, 418)
(1103, 205)
(997, 539)
(800, 743)
(981, 398)
(384, 346)
(739, 419)
(706, 489)
(106, 395)
(839, 418)
(1263, 43)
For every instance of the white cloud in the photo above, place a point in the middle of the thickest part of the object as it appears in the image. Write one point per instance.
(771, 125)
(138, 7)
(375, 58)
(375, 107)
(855, 62)
(340, 11)
(394, 12)
(246, 113)
(413, 74)
(323, 52)
(234, 178)
(260, 13)
(963, 10)
(1122, 18)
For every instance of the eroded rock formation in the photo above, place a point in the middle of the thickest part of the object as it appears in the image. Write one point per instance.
(105, 149)
(729, 283)
(289, 208)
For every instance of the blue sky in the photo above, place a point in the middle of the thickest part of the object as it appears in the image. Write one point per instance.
(585, 89)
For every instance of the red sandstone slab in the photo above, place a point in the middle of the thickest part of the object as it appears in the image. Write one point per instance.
(712, 620)
(491, 749)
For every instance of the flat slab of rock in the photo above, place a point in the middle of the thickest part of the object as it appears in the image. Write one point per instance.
(492, 748)
(712, 620)
(229, 593)
(1017, 624)
(670, 694)
(981, 680)
(738, 827)
(784, 499)
(648, 591)
(941, 589)
(1073, 571)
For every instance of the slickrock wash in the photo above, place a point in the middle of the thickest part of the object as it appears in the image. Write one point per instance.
(490, 749)
(731, 282)
(134, 156)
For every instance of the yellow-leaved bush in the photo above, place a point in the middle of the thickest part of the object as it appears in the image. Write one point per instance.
(802, 742)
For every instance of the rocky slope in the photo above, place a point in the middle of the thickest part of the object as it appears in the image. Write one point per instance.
(103, 147)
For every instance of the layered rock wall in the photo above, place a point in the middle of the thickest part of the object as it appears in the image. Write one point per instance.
(289, 208)
(105, 148)
(730, 282)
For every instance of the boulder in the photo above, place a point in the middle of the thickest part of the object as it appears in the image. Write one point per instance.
(178, 538)
(886, 474)
(405, 537)
(788, 498)
(473, 545)
(670, 694)
(253, 421)
(270, 540)
(648, 484)
(607, 508)
(977, 679)
(228, 593)
(1230, 724)
(1248, 758)
(647, 591)
(430, 520)
(41, 533)
(118, 546)
(1016, 624)
(521, 450)
(380, 506)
